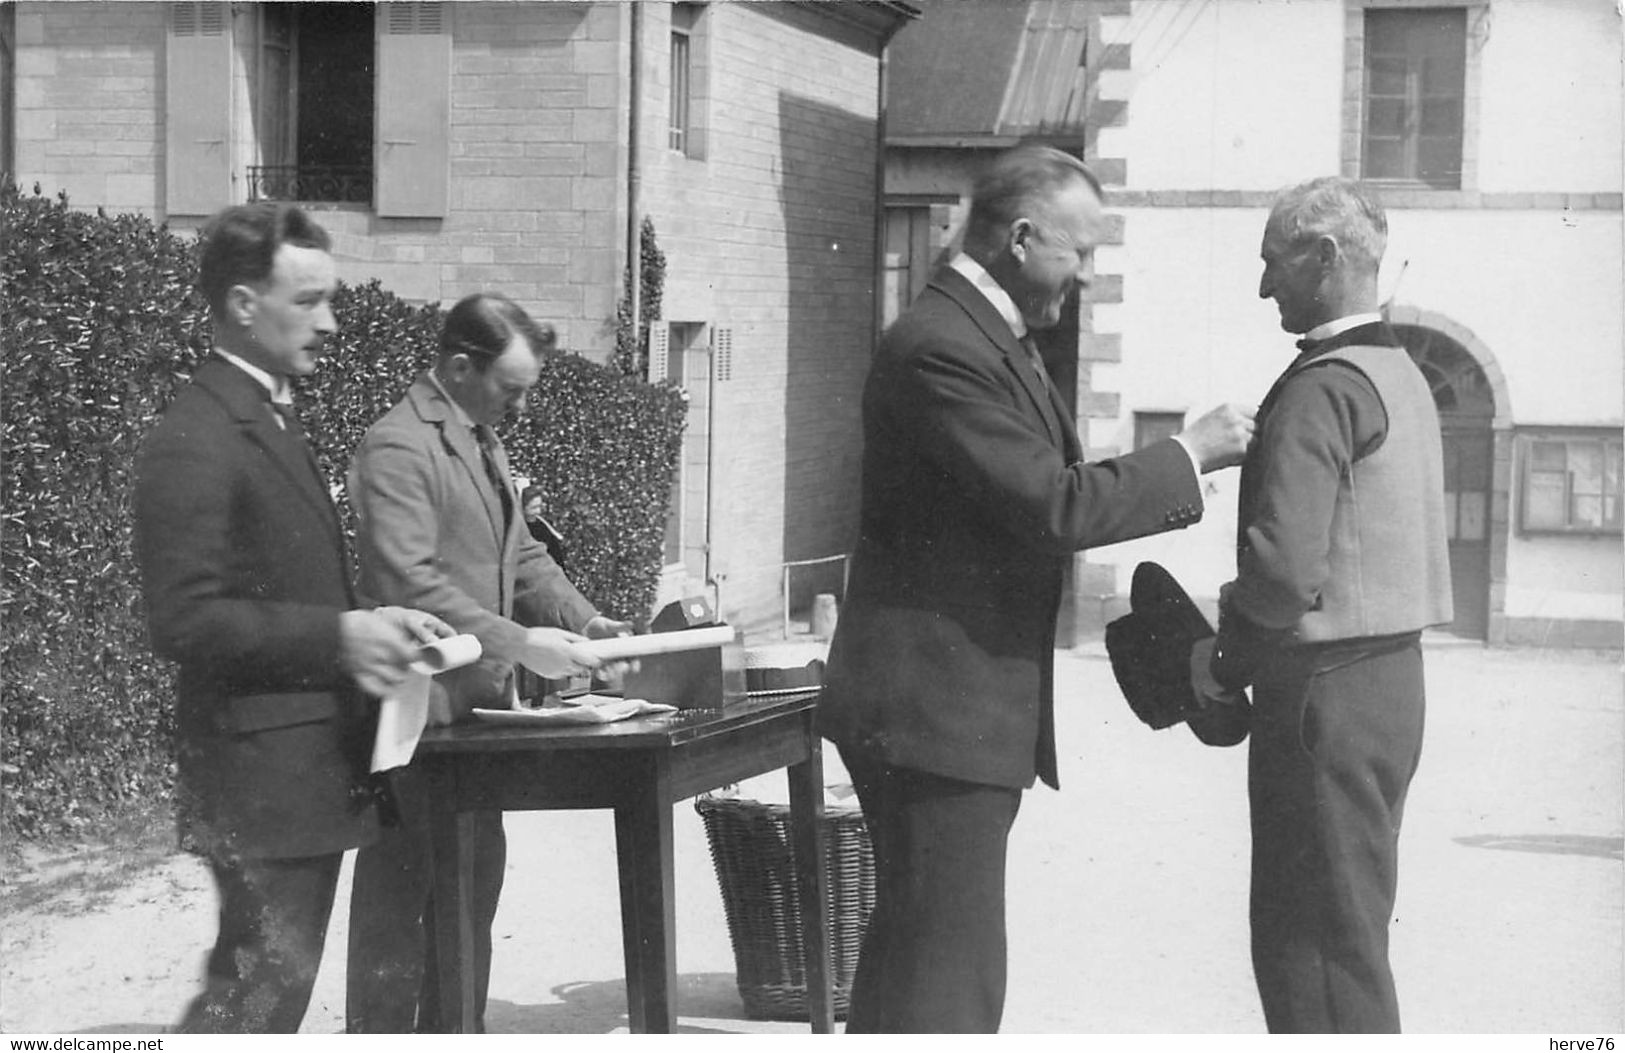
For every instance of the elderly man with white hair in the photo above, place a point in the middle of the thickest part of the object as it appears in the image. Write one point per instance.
(1341, 563)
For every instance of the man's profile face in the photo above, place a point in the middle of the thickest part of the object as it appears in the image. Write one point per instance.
(291, 312)
(1056, 252)
(1292, 277)
(487, 395)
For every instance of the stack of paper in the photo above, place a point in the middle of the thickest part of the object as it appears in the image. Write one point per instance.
(584, 709)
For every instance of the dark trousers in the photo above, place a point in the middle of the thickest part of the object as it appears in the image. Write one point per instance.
(1336, 738)
(273, 921)
(391, 976)
(933, 958)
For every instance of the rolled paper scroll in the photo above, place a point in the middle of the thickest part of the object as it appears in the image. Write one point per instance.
(615, 648)
(446, 654)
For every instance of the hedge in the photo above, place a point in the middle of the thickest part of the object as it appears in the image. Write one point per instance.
(100, 325)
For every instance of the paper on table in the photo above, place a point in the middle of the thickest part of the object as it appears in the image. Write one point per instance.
(403, 715)
(588, 709)
(615, 648)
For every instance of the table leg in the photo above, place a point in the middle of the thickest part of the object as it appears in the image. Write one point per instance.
(807, 833)
(454, 921)
(643, 844)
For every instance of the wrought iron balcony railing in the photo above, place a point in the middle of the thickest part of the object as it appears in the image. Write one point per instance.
(346, 183)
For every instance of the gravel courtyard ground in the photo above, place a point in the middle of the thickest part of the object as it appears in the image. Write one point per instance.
(1127, 889)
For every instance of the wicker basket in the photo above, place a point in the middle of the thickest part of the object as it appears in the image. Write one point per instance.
(751, 848)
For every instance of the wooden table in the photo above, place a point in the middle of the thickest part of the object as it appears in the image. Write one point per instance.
(640, 768)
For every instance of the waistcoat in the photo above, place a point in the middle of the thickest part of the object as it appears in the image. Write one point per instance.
(1390, 567)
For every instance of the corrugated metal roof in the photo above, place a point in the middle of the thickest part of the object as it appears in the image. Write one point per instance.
(989, 68)
(1048, 83)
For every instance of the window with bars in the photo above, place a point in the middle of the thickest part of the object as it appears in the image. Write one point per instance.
(313, 103)
(340, 102)
(1415, 88)
(1571, 483)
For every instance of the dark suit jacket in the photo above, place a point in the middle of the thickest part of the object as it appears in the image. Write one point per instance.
(432, 536)
(975, 496)
(243, 567)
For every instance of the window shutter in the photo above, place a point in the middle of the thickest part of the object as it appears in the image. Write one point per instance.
(722, 342)
(659, 352)
(197, 107)
(414, 110)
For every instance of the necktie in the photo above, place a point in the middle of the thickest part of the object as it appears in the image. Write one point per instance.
(1307, 344)
(294, 432)
(1037, 360)
(289, 419)
(1051, 406)
(487, 441)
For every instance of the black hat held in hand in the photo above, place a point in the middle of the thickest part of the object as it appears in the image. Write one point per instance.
(1150, 650)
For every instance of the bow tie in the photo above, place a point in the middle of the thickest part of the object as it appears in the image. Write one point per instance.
(1307, 344)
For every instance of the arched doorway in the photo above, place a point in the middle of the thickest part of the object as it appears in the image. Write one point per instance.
(1466, 404)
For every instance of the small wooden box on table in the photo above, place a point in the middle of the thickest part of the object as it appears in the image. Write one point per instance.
(640, 768)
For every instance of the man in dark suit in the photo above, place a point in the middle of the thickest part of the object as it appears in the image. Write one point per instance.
(440, 528)
(938, 691)
(243, 568)
(1341, 563)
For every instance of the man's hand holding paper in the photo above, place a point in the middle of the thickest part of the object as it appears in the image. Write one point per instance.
(556, 653)
(602, 628)
(376, 646)
(417, 701)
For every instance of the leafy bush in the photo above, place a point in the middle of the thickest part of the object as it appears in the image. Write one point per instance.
(99, 322)
(100, 325)
(632, 340)
(603, 447)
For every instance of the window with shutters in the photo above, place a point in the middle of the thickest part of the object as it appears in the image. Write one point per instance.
(312, 102)
(306, 102)
(679, 353)
(1571, 482)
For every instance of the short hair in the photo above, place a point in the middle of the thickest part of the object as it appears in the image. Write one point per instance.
(482, 325)
(240, 245)
(1337, 207)
(1019, 182)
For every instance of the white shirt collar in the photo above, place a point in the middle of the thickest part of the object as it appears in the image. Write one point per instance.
(276, 386)
(1327, 330)
(456, 407)
(978, 276)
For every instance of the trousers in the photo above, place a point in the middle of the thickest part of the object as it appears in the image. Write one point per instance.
(391, 981)
(1336, 738)
(934, 956)
(273, 922)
